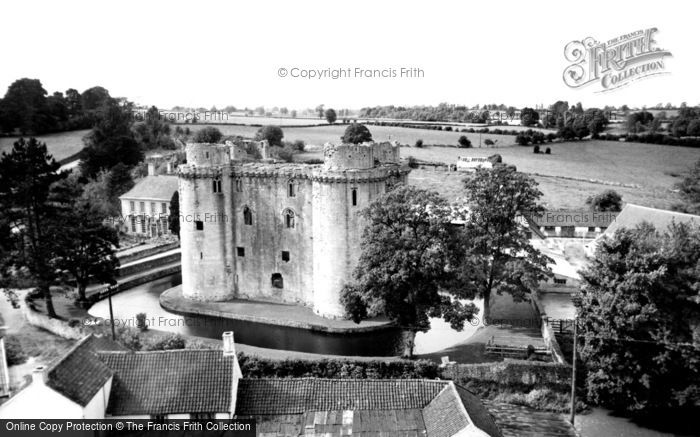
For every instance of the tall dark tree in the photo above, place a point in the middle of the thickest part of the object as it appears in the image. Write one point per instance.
(500, 257)
(74, 103)
(85, 247)
(273, 135)
(331, 116)
(26, 177)
(94, 98)
(639, 315)
(407, 247)
(25, 108)
(529, 117)
(174, 218)
(111, 141)
(356, 133)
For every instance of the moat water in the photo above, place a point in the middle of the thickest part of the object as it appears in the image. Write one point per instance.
(387, 342)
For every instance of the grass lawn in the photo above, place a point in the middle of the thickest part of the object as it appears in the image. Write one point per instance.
(644, 174)
(320, 135)
(60, 145)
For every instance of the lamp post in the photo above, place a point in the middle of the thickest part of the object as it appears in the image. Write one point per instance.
(573, 376)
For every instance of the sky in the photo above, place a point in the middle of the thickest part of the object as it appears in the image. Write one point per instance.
(218, 53)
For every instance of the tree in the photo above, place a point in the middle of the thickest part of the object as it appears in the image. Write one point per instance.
(27, 174)
(208, 134)
(174, 217)
(95, 98)
(406, 250)
(320, 111)
(639, 319)
(103, 192)
(464, 142)
(273, 135)
(608, 200)
(331, 116)
(529, 117)
(356, 133)
(689, 189)
(85, 246)
(73, 102)
(499, 255)
(24, 107)
(111, 140)
(637, 119)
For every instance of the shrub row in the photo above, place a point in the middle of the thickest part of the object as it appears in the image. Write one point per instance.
(255, 367)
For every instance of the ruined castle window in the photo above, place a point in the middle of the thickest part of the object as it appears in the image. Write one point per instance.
(247, 216)
(289, 218)
(240, 251)
(354, 197)
(216, 185)
(239, 185)
(291, 189)
(277, 281)
(199, 225)
(285, 255)
(206, 155)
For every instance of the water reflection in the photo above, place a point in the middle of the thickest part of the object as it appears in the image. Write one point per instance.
(145, 299)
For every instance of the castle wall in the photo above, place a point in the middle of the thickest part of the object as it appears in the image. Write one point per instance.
(263, 241)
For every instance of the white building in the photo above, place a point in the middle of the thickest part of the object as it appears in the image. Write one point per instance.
(146, 207)
(469, 163)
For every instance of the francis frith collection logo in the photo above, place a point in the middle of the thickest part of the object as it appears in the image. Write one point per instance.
(614, 63)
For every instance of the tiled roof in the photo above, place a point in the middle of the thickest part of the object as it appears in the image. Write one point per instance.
(153, 187)
(79, 374)
(297, 395)
(309, 406)
(168, 382)
(444, 416)
(478, 413)
(633, 215)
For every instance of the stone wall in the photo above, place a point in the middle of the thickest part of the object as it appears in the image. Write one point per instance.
(512, 372)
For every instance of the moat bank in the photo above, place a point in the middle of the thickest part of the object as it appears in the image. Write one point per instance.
(268, 313)
(384, 342)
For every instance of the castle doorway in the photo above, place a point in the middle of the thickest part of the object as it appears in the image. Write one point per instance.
(277, 281)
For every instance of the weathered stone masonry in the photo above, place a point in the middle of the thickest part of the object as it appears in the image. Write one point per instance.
(278, 232)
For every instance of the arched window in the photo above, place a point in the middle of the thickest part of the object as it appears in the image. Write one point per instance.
(247, 216)
(289, 218)
(239, 185)
(291, 189)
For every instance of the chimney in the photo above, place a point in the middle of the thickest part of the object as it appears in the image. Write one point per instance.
(229, 345)
(38, 375)
(151, 168)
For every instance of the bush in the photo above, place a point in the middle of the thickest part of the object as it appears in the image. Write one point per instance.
(129, 338)
(141, 321)
(356, 133)
(547, 151)
(273, 135)
(169, 342)
(489, 142)
(208, 134)
(14, 351)
(536, 149)
(412, 163)
(255, 367)
(464, 142)
(522, 140)
(298, 145)
(419, 143)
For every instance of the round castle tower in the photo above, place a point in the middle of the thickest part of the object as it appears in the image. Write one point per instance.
(205, 196)
(352, 176)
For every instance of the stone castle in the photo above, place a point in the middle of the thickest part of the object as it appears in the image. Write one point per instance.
(279, 232)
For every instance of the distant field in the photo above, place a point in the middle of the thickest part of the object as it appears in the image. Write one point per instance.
(60, 145)
(641, 173)
(240, 119)
(320, 135)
